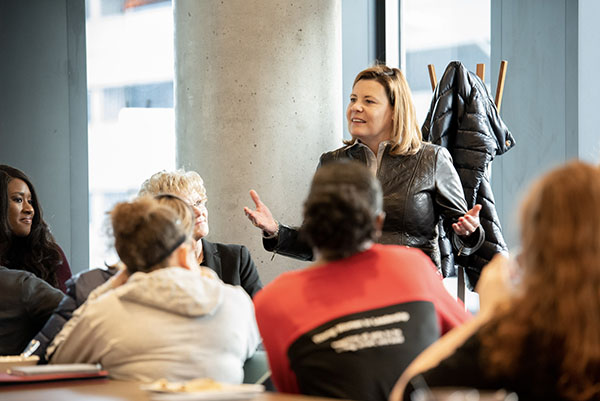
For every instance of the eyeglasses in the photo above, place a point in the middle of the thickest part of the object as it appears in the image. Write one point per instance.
(198, 204)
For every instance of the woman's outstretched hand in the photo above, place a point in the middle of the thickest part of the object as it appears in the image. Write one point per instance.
(261, 217)
(467, 224)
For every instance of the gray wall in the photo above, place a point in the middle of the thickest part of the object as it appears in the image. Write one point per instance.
(550, 96)
(43, 111)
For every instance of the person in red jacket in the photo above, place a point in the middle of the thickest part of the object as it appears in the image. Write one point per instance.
(25, 239)
(348, 325)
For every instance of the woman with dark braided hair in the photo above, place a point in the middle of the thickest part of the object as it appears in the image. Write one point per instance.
(25, 239)
(347, 326)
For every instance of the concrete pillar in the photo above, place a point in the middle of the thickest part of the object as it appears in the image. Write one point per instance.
(258, 98)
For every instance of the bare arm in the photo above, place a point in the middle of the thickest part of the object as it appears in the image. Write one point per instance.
(495, 289)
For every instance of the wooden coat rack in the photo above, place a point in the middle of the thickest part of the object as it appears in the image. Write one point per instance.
(481, 74)
(498, 101)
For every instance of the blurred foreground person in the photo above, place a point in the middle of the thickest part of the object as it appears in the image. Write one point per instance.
(164, 316)
(232, 263)
(538, 332)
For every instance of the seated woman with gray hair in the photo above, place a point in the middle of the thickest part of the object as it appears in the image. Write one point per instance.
(164, 316)
(232, 263)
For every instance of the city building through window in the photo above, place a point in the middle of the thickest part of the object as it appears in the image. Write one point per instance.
(131, 125)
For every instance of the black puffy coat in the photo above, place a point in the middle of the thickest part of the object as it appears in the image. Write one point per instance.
(464, 119)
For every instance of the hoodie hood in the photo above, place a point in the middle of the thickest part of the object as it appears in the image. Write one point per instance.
(176, 290)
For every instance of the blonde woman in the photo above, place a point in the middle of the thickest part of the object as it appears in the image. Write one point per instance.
(420, 184)
(164, 317)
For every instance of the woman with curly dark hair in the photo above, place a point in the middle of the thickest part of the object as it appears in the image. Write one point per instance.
(347, 326)
(537, 334)
(25, 239)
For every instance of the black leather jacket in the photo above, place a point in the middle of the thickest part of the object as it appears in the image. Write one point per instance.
(418, 190)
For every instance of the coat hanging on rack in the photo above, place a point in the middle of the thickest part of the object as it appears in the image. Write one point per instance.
(464, 119)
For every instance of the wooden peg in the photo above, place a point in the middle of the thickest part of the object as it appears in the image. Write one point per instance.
(481, 72)
(500, 86)
(432, 77)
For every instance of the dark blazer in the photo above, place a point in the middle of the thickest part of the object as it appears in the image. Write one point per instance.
(233, 264)
(27, 302)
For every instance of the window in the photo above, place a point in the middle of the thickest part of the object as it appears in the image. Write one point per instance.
(157, 95)
(131, 124)
(438, 32)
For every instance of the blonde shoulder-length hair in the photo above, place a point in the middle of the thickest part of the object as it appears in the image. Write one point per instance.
(406, 134)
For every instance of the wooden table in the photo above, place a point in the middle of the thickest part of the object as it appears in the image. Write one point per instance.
(103, 390)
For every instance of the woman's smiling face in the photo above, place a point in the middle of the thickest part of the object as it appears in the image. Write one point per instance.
(20, 208)
(369, 112)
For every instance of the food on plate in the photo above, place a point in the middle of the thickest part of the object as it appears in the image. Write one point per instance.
(204, 384)
(196, 385)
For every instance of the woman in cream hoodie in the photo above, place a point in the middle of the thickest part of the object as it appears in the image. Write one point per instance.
(164, 316)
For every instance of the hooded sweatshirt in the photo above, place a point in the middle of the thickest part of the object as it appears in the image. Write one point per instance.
(171, 323)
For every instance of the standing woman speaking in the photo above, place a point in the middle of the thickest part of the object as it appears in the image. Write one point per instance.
(25, 239)
(420, 184)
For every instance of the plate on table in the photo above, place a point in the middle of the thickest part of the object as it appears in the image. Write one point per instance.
(8, 362)
(201, 389)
